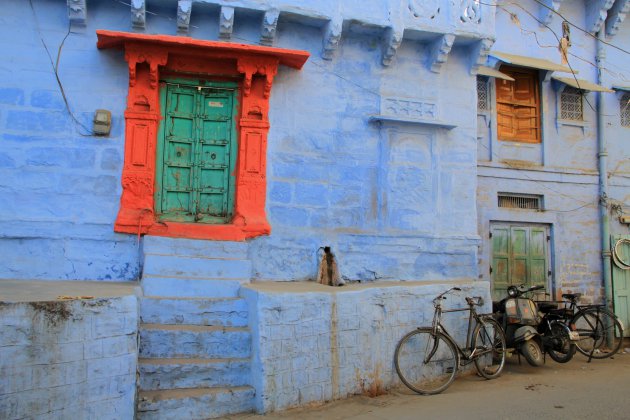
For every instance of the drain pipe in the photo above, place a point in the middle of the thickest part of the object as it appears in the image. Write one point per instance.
(602, 155)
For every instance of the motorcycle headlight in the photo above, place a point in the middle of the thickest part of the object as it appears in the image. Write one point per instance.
(512, 291)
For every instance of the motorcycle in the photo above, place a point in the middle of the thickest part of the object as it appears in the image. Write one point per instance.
(557, 338)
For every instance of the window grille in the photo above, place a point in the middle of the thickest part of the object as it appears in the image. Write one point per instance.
(624, 110)
(520, 201)
(571, 104)
(483, 104)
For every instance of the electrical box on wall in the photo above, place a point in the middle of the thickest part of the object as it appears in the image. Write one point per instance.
(102, 122)
(625, 218)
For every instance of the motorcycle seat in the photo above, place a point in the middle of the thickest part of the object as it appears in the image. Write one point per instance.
(571, 296)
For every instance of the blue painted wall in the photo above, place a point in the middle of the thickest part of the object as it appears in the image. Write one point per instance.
(395, 201)
(563, 168)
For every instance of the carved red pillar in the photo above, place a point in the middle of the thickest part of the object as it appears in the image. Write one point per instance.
(142, 117)
(251, 174)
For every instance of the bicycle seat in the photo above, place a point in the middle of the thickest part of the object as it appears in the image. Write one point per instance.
(571, 296)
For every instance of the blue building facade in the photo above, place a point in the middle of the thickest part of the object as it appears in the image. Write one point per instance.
(385, 141)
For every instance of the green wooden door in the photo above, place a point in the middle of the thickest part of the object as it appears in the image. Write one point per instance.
(621, 282)
(519, 256)
(196, 153)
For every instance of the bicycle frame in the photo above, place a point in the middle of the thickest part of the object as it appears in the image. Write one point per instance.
(466, 353)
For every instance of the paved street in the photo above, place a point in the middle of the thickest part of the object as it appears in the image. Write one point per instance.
(576, 390)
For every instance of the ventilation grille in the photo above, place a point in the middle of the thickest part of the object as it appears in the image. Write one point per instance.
(624, 110)
(571, 104)
(520, 201)
(482, 94)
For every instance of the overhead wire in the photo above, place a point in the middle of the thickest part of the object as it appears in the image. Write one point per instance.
(55, 68)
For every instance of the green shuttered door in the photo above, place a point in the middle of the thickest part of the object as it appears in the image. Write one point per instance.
(519, 256)
(196, 153)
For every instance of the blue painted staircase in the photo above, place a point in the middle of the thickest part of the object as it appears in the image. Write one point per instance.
(195, 343)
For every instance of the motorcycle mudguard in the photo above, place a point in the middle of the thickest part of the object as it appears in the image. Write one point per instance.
(524, 333)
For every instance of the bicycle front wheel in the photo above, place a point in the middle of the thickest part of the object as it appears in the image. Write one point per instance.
(489, 343)
(601, 333)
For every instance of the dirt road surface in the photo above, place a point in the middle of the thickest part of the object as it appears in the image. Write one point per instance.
(575, 390)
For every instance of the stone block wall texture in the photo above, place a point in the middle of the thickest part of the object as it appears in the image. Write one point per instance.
(69, 359)
(320, 346)
(394, 201)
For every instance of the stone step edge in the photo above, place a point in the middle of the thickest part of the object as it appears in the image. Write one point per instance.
(164, 361)
(176, 277)
(190, 327)
(181, 393)
(198, 257)
(192, 298)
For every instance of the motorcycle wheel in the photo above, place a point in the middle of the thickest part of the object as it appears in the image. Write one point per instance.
(565, 351)
(531, 350)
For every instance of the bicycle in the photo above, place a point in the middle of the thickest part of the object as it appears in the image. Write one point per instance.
(427, 358)
(600, 331)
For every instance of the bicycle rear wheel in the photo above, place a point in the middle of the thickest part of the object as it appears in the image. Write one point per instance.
(426, 362)
(601, 333)
(488, 337)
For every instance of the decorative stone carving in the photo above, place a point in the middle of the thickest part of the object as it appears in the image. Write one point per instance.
(393, 38)
(226, 22)
(439, 52)
(184, 7)
(77, 12)
(138, 14)
(401, 107)
(332, 36)
(251, 66)
(268, 29)
(480, 54)
(470, 11)
(596, 12)
(424, 8)
(547, 10)
(616, 15)
(152, 58)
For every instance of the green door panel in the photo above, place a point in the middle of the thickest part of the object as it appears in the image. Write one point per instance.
(196, 153)
(621, 284)
(519, 256)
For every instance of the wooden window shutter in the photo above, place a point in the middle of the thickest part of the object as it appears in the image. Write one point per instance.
(518, 106)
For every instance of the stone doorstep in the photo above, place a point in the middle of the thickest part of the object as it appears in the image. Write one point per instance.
(222, 311)
(159, 286)
(179, 373)
(195, 403)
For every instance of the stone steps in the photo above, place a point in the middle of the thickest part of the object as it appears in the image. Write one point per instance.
(162, 374)
(195, 403)
(195, 344)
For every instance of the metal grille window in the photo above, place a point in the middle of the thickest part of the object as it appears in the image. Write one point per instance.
(571, 104)
(483, 103)
(520, 201)
(624, 110)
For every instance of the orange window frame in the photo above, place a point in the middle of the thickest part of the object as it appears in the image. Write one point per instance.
(518, 106)
(253, 67)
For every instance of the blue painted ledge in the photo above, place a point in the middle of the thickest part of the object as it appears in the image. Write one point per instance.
(398, 119)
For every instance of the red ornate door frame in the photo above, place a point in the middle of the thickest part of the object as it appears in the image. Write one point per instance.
(150, 56)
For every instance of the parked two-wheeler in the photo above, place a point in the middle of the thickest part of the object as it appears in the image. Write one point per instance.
(533, 333)
(519, 318)
(557, 338)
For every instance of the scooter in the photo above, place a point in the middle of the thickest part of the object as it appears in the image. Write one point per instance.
(520, 319)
